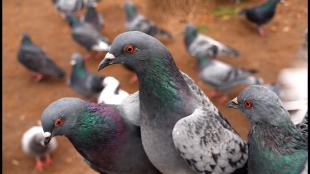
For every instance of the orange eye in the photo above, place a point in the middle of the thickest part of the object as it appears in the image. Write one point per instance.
(59, 122)
(248, 104)
(130, 49)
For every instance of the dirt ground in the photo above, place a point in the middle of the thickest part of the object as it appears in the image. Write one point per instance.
(24, 99)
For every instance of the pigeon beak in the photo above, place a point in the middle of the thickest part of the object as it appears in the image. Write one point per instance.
(47, 138)
(233, 103)
(108, 60)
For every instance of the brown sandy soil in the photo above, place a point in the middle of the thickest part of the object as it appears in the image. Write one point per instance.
(25, 99)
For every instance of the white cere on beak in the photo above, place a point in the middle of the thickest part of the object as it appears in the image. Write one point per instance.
(235, 100)
(47, 134)
(109, 56)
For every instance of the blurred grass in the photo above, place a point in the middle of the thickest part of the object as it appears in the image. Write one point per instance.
(225, 12)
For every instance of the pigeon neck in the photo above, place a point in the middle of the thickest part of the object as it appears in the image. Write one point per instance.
(91, 13)
(270, 148)
(189, 38)
(271, 4)
(131, 13)
(98, 125)
(26, 40)
(161, 84)
(79, 70)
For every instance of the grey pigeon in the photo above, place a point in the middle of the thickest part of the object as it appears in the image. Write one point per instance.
(33, 145)
(182, 131)
(276, 145)
(203, 45)
(137, 22)
(87, 35)
(36, 60)
(261, 14)
(107, 141)
(303, 126)
(93, 17)
(83, 82)
(224, 77)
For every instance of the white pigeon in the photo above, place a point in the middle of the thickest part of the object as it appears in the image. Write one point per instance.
(33, 145)
(111, 94)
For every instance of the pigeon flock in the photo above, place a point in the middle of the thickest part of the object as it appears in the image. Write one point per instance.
(168, 126)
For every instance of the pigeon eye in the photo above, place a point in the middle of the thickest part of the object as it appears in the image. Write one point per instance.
(58, 122)
(130, 49)
(248, 104)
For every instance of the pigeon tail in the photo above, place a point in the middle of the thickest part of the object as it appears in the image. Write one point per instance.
(232, 52)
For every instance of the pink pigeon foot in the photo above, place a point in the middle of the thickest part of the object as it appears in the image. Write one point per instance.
(223, 99)
(133, 79)
(48, 160)
(87, 57)
(37, 76)
(261, 32)
(39, 165)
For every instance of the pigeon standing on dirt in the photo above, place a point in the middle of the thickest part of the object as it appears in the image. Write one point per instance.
(83, 82)
(33, 145)
(93, 17)
(111, 93)
(199, 44)
(87, 35)
(224, 77)
(276, 145)
(105, 138)
(182, 131)
(137, 22)
(261, 14)
(36, 60)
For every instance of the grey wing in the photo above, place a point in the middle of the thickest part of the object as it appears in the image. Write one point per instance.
(86, 35)
(140, 23)
(303, 126)
(94, 83)
(206, 145)
(202, 47)
(32, 57)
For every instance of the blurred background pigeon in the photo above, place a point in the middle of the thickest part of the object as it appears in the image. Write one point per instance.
(93, 17)
(36, 60)
(68, 6)
(261, 14)
(111, 93)
(137, 22)
(83, 82)
(33, 145)
(199, 44)
(100, 133)
(87, 35)
(223, 77)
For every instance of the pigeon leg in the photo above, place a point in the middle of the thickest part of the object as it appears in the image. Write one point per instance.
(87, 57)
(48, 160)
(260, 30)
(213, 94)
(38, 77)
(39, 164)
(223, 98)
(133, 79)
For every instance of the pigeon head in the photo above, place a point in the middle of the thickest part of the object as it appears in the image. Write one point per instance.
(76, 59)
(190, 33)
(60, 116)
(261, 106)
(130, 10)
(26, 38)
(136, 50)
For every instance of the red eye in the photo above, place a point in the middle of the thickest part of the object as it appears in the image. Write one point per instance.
(248, 104)
(59, 122)
(130, 49)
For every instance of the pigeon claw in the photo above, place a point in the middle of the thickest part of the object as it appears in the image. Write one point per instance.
(39, 165)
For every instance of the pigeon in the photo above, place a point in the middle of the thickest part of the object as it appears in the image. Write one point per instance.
(199, 44)
(111, 93)
(33, 145)
(87, 35)
(224, 77)
(36, 60)
(182, 131)
(93, 17)
(261, 14)
(107, 141)
(83, 82)
(276, 145)
(303, 126)
(137, 22)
